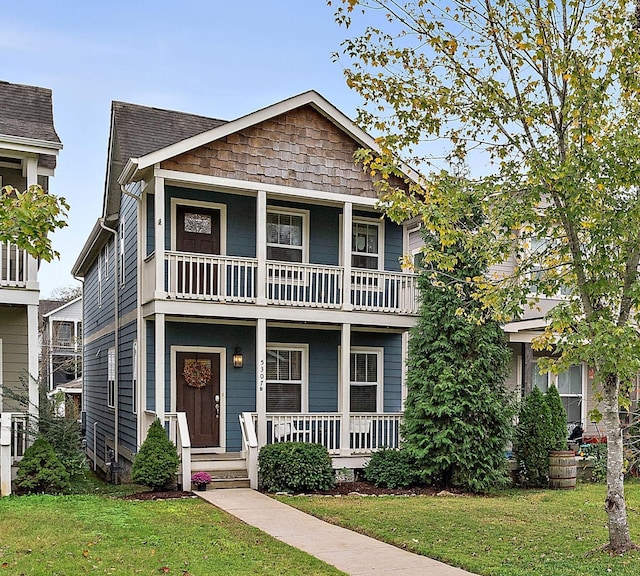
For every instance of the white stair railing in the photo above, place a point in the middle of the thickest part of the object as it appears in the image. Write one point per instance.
(250, 446)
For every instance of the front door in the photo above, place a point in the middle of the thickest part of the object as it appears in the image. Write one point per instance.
(197, 231)
(198, 395)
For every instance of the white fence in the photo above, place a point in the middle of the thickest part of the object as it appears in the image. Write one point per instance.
(14, 440)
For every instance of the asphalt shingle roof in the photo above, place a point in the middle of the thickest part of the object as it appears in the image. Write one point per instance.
(141, 130)
(26, 112)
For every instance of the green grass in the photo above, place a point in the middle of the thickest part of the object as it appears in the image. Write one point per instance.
(516, 533)
(89, 534)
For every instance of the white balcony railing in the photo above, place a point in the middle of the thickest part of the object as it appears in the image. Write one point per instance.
(367, 432)
(304, 285)
(14, 266)
(232, 279)
(205, 277)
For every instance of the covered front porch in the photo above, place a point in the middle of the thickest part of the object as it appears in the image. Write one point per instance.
(349, 440)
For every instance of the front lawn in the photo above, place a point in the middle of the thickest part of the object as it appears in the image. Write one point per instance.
(516, 533)
(69, 535)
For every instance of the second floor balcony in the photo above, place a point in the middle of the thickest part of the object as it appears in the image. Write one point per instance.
(214, 278)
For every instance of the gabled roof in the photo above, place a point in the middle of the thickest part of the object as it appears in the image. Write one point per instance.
(62, 306)
(26, 120)
(311, 98)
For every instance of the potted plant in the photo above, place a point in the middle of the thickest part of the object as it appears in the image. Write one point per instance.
(201, 479)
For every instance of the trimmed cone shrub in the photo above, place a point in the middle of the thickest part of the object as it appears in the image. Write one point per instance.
(295, 467)
(533, 440)
(392, 469)
(40, 470)
(157, 462)
(558, 422)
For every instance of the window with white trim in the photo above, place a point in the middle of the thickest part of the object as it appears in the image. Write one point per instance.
(99, 278)
(105, 260)
(134, 377)
(366, 244)
(286, 236)
(570, 387)
(285, 379)
(365, 380)
(121, 264)
(111, 378)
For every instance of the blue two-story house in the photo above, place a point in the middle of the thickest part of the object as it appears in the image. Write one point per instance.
(242, 287)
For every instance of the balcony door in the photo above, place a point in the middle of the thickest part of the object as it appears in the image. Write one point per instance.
(198, 396)
(197, 233)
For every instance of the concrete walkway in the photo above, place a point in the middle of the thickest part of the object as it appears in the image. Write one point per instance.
(348, 551)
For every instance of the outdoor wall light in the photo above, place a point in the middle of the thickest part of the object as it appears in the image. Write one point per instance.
(237, 358)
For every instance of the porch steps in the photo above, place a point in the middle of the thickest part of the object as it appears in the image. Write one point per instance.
(228, 470)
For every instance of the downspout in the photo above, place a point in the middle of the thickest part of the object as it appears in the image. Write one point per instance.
(116, 281)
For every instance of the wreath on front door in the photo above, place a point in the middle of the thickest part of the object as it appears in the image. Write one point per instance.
(196, 373)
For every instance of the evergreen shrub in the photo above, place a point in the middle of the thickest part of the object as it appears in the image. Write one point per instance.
(295, 467)
(558, 419)
(40, 470)
(392, 469)
(157, 462)
(533, 440)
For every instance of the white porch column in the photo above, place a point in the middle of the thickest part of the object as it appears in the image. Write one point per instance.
(347, 233)
(30, 170)
(261, 384)
(160, 365)
(32, 346)
(5, 454)
(158, 205)
(261, 247)
(345, 400)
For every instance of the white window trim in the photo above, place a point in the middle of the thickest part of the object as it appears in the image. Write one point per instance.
(134, 377)
(305, 230)
(105, 260)
(111, 381)
(536, 267)
(371, 221)
(304, 348)
(100, 279)
(379, 351)
(121, 255)
(222, 208)
(552, 379)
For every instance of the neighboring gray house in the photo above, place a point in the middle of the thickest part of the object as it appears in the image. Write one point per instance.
(256, 290)
(29, 145)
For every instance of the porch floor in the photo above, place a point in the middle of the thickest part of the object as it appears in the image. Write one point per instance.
(348, 551)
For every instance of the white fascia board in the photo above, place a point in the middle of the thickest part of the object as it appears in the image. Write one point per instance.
(29, 145)
(525, 325)
(94, 237)
(177, 177)
(243, 122)
(276, 313)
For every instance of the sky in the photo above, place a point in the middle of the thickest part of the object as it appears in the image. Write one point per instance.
(218, 58)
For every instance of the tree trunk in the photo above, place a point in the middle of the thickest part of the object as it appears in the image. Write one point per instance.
(615, 505)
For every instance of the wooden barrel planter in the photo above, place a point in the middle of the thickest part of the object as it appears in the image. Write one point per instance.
(562, 469)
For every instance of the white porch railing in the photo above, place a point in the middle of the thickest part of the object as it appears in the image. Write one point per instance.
(14, 440)
(367, 432)
(176, 425)
(230, 279)
(250, 446)
(14, 266)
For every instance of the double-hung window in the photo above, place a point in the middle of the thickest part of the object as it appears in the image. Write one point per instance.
(286, 378)
(366, 244)
(570, 387)
(111, 378)
(286, 235)
(365, 380)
